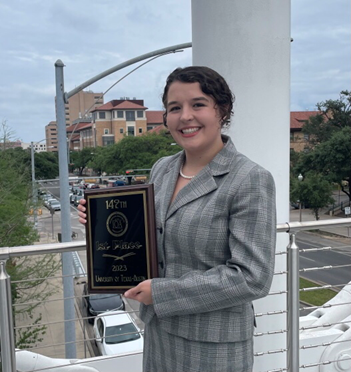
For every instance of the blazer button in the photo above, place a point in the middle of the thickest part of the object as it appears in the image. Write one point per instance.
(161, 264)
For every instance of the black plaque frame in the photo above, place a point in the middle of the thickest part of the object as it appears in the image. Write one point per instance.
(121, 237)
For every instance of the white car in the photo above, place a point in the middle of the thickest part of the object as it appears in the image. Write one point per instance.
(115, 332)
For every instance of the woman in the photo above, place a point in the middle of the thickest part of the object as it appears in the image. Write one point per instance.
(216, 228)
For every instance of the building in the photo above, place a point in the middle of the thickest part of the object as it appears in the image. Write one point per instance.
(111, 122)
(79, 107)
(298, 140)
(38, 146)
(80, 134)
(5, 145)
(51, 136)
(118, 118)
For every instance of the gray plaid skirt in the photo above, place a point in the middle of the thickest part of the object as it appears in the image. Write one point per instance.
(165, 352)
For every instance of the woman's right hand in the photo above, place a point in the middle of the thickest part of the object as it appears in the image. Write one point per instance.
(81, 211)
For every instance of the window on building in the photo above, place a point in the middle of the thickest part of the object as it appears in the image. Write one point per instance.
(140, 114)
(109, 140)
(120, 114)
(130, 115)
(106, 131)
(102, 115)
(130, 131)
(121, 130)
(140, 130)
(291, 137)
(306, 136)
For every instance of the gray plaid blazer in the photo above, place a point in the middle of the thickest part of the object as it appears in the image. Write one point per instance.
(216, 245)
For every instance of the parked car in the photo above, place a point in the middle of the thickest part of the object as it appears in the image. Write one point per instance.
(115, 332)
(55, 205)
(98, 303)
(47, 202)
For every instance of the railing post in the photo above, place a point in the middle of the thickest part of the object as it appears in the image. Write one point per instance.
(7, 338)
(293, 336)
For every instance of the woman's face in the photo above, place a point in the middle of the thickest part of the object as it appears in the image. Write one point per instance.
(193, 118)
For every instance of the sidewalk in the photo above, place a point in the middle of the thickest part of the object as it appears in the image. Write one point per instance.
(306, 215)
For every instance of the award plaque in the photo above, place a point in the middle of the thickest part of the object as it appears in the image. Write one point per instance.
(121, 237)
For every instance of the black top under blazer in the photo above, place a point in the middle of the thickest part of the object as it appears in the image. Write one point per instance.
(216, 245)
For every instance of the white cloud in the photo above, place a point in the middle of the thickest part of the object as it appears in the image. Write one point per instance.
(91, 37)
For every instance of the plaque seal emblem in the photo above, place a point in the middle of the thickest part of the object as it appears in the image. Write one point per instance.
(117, 224)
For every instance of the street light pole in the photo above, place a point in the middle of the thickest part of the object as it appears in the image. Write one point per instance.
(300, 178)
(66, 231)
(34, 188)
(33, 184)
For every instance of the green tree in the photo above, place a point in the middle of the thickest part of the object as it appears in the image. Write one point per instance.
(81, 159)
(332, 117)
(139, 152)
(314, 191)
(330, 142)
(16, 229)
(46, 165)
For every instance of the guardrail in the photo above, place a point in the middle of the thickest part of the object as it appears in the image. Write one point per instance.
(330, 321)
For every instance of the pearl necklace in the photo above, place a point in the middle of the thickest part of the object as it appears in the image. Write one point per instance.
(183, 175)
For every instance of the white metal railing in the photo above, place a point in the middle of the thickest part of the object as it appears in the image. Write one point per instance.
(298, 332)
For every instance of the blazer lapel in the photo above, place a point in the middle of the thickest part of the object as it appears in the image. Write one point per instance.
(168, 183)
(203, 183)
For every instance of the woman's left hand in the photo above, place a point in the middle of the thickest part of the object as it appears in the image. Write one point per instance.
(141, 293)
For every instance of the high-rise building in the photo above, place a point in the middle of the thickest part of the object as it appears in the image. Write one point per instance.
(51, 136)
(79, 106)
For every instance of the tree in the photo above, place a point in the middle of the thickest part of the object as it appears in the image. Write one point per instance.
(330, 142)
(46, 165)
(332, 117)
(314, 191)
(82, 158)
(6, 135)
(16, 229)
(139, 152)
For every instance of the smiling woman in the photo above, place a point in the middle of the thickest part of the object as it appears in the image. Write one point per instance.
(215, 229)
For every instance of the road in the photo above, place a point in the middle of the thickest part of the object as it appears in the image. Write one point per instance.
(340, 256)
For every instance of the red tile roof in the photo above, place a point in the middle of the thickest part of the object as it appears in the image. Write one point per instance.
(78, 127)
(121, 104)
(157, 129)
(154, 117)
(298, 118)
(75, 138)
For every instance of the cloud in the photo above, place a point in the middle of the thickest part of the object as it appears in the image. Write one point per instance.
(91, 37)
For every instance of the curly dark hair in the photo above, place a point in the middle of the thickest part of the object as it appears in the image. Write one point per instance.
(211, 83)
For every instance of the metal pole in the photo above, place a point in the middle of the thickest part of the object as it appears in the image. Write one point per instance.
(293, 340)
(35, 199)
(8, 358)
(67, 259)
(98, 77)
(52, 212)
(300, 210)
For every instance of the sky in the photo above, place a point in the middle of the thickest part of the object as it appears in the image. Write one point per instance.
(93, 36)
